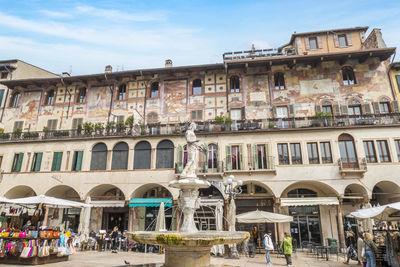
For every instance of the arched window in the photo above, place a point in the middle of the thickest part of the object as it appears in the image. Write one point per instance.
(212, 157)
(81, 98)
(14, 99)
(384, 105)
(348, 76)
(327, 107)
(301, 192)
(348, 155)
(50, 97)
(354, 107)
(235, 84)
(99, 157)
(122, 92)
(154, 90)
(279, 80)
(120, 156)
(165, 155)
(142, 156)
(196, 87)
(152, 117)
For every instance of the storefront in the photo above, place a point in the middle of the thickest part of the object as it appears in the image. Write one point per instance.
(148, 209)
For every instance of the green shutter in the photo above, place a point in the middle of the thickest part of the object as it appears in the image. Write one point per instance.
(180, 159)
(241, 157)
(74, 158)
(57, 158)
(14, 166)
(228, 158)
(19, 162)
(1, 96)
(59, 161)
(78, 166)
(38, 161)
(255, 158)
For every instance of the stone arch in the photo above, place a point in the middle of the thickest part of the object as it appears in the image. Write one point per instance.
(385, 192)
(106, 192)
(322, 189)
(64, 192)
(256, 188)
(355, 194)
(144, 189)
(20, 191)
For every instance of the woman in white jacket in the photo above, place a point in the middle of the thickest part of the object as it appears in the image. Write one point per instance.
(268, 246)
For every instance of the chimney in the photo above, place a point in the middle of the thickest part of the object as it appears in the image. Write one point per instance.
(108, 69)
(65, 74)
(168, 63)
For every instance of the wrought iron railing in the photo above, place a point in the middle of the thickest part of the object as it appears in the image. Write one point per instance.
(356, 164)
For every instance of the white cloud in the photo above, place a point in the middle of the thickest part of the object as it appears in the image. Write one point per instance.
(56, 14)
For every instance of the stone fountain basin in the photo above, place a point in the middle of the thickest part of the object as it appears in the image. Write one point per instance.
(196, 239)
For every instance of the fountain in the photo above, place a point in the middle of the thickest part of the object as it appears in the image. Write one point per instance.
(188, 247)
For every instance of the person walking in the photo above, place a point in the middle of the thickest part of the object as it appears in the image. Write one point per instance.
(370, 250)
(350, 243)
(114, 239)
(360, 242)
(287, 248)
(255, 236)
(268, 246)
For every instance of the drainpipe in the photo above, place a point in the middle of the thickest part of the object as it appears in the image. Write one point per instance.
(111, 87)
(66, 90)
(5, 99)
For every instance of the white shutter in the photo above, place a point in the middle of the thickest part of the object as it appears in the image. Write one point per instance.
(336, 40)
(319, 42)
(349, 41)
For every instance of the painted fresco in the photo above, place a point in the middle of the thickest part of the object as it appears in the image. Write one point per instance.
(30, 106)
(174, 97)
(257, 88)
(99, 102)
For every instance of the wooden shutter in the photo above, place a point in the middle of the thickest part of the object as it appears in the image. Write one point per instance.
(349, 41)
(337, 110)
(1, 96)
(228, 158)
(291, 110)
(317, 108)
(274, 111)
(376, 107)
(19, 162)
(344, 109)
(336, 40)
(57, 159)
(395, 105)
(307, 43)
(52, 125)
(241, 157)
(38, 161)
(367, 108)
(255, 158)
(74, 161)
(79, 161)
(319, 42)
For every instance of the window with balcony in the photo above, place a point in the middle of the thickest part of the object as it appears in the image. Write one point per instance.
(99, 157)
(354, 107)
(17, 162)
(295, 152)
(142, 155)
(384, 105)
(52, 124)
(121, 92)
(212, 157)
(313, 43)
(313, 157)
(326, 154)
(77, 161)
(342, 40)
(260, 157)
(196, 87)
(154, 90)
(348, 153)
(165, 155)
(234, 84)
(397, 144)
(120, 156)
(18, 125)
(236, 157)
(327, 107)
(57, 159)
(383, 149)
(14, 100)
(279, 80)
(50, 97)
(348, 76)
(196, 115)
(283, 153)
(369, 149)
(81, 96)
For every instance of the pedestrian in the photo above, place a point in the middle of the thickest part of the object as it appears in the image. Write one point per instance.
(350, 243)
(268, 246)
(287, 248)
(360, 242)
(370, 250)
(255, 236)
(114, 239)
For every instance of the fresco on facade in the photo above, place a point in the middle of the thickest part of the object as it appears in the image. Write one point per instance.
(99, 102)
(257, 88)
(30, 106)
(174, 97)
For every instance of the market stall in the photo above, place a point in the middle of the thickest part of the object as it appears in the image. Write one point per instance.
(35, 243)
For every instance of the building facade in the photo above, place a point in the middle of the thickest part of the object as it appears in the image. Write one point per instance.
(312, 128)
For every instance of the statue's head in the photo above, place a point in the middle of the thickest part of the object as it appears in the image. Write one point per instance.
(192, 126)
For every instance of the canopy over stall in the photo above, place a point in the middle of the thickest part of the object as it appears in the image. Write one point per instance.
(309, 201)
(150, 202)
(386, 212)
(259, 216)
(48, 201)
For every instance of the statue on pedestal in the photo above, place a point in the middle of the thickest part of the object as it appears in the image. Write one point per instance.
(192, 151)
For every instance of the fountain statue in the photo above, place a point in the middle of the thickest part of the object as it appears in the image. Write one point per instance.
(189, 247)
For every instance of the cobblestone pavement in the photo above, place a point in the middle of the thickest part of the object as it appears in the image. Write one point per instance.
(99, 259)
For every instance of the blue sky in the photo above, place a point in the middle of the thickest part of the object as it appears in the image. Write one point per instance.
(84, 36)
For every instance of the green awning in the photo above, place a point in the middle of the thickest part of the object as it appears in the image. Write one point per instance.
(150, 202)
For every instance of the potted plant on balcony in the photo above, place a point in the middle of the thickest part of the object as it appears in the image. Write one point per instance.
(4, 135)
(88, 128)
(30, 135)
(98, 128)
(110, 127)
(46, 131)
(142, 128)
(219, 121)
(129, 122)
(79, 129)
(228, 123)
(120, 127)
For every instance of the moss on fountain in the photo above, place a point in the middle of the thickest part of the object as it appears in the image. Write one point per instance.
(170, 239)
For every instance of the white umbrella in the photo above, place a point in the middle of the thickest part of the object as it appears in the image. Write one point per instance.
(49, 201)
(5, 200)
(160, 225)
(258, 216)
(383, 213)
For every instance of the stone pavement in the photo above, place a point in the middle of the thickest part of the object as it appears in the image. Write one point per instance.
(99, 259)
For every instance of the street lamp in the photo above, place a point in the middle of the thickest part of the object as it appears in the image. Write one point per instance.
(232, 189)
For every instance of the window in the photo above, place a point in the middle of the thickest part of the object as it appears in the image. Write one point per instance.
(326, 155)
(313, 43)
(81, 96)
(281, 115)
(18, 125)
(236, 158)
(122, 92)
(154, 90)
(236, 114)
(283, 153)
(348, 76)
(279, 80)
(52, 125)
(77, 161)
(152, 117)
(327, 108)
(14, 99)
(383, 150)
(120, 156)
(57, 159)
(369, 149)
(165, 155)
(235, 84)
(384, 105)
(36, 161)
(4, 75)
(301, 192)
(196, 87)
(397, 143)
(1, 96)
(50, 96)
(17, 162)
(196, 115)
(212, 157)
(313, 157)
(99, 157)
(296, 153)
(398, 82)
(354, 107)
(142, 156)
(342, 40)
(260, 157)
(347, 149)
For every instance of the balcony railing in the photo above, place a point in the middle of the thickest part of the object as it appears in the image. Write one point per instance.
(210, 126)
(352, 166)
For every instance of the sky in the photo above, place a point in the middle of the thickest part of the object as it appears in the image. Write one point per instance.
(82, 37)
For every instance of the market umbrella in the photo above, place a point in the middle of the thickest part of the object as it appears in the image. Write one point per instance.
(383, 213)
(160, 224)
(258, 216)
(49, 201)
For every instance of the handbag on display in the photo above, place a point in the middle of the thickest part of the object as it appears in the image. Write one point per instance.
(22, 234)
(61, 251)
(26, 252)
(34, 234)
(43, 234)
(13, 250)
(44, 250)
(49, 234)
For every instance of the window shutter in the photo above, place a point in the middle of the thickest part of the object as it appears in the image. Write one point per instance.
(241, 157)
(367, 108)
(76, 122)
(14, 163)
(267, 155)
(395, 105)
(38, 161)
(52, 125)
(205, 158)
(18, 125)
(1, 96)
(180, 158)
(59, 161)
(19, 162)
(54, 163)
(398, 82)
(291, 110)
(255, 158)
(336, 40)
(349, 41)
(344, 109)
(307, 42)
(228, 158)
(78, 166)
(376, 107)
(319, 42)
(337, 110)
(74, 161)
(317, 108)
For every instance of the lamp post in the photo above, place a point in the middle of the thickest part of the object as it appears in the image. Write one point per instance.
(232, 189)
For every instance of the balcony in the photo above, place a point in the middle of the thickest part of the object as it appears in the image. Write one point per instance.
(353, 167)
